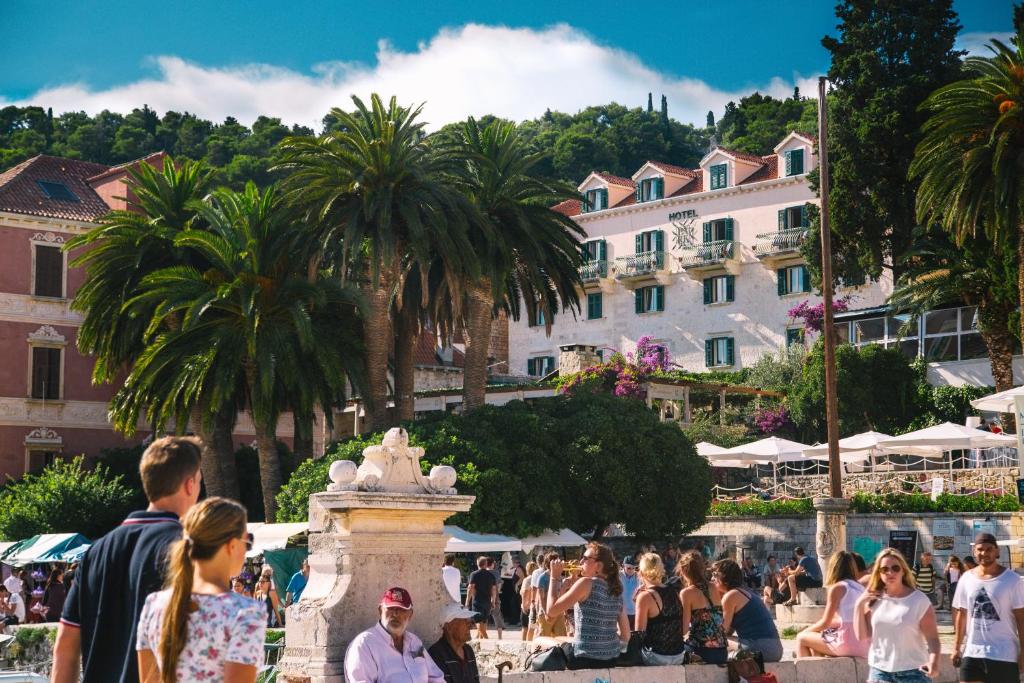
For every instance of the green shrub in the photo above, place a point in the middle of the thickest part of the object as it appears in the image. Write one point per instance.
(761, 508)
(65, 497)
(868, 503)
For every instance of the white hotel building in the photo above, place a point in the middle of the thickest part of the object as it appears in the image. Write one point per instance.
(706, 261)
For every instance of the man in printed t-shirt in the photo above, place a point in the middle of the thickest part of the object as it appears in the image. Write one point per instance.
(988, 609)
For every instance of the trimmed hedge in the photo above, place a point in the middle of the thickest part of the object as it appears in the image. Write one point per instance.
(868, 503)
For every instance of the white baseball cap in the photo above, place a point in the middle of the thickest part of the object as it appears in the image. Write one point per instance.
(454, 610)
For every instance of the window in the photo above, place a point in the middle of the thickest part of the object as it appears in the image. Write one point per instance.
(793, 217)
(540, 366)
(539, 319)
(39, 460)
(650, 299)
(595, 200)
(795, 336)
(57, 191)
(718, 176)
(719, 352)
(650, 189)
(952, 334)
(49, 271)
(794, 159)
(719, 290)
(595, 302)
(595, 250)
(45, 373)
(652, 240)
(792, 280)
(718, 231)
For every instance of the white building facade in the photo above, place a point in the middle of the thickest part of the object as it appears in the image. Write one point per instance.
(705, 261)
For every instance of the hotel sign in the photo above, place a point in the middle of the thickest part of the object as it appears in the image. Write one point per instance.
(684, 228)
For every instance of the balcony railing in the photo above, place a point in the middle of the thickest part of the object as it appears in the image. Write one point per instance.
(782, 240)
(708, 253)
(640, 264)
(593, 270)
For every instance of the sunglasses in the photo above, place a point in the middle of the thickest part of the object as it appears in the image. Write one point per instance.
(890, 569)
(588, 558)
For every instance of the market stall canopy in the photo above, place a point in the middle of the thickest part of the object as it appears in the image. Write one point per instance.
(1001, 402)
(768, 451)
(948, 436)
(564, 538)
(45, 548)
(75, 554)
(5, 546)
(856, 448)
(273, 536)
(461, 541)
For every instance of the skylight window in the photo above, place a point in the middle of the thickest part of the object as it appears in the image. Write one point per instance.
(58, 191)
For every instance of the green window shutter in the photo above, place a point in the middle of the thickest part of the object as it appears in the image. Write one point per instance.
(709, 284)
(602, 251)
(550, 365)
(782, 219)
(530, 367)
(603, 194)
(730, 351)
(659, 240)
(797, 164)
(780, 277)
(639, 243)
(730, 288)
(638, 300)
(803, 215)
(639, 192)
(585, 203)
(659, 296)
(707, 232)
(788, 156)
(661, 188)
(728, 230)
(805, 279)
(709, 353)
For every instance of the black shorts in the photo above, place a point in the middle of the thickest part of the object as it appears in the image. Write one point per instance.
(483, 611)
(988, 670)
(803, 582)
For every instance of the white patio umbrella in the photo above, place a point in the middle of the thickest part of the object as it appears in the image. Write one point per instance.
(705, 449)
(718, 456)
(1001, 402)
(856, 448)
(944, 437)
(769, 451)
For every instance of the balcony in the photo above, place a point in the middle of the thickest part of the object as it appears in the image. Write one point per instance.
(772, 247)
(647, 267)
(593, 270)
(709, 255)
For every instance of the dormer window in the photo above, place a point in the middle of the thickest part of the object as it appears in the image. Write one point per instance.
(794, 160)
(650, 189)
(718, 176)
(595, 200)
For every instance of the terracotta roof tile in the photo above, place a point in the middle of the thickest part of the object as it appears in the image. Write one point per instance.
(752, 158)
(113, 170)
(671, 168)
(769, 171)
(425, 353)
(570, 207)
(20, 191)
(629, 199)
(695, 185)
(615, 180)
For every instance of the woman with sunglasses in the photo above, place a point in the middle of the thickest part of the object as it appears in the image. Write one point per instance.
(198, 629)
(266, 594)
(899, 622)
(601, 627)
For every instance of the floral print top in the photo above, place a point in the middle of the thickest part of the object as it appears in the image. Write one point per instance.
(225, 628)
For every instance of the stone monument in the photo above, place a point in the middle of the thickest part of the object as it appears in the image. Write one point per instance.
(378, 525)
(831, 528)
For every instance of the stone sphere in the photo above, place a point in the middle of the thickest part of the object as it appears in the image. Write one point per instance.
(443, 476)
(343, 472)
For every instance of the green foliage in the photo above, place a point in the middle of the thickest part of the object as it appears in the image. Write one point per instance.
(65, 497)
(789, 633)
(759, 122)
(124, 462)
(938, 404)
(250, 488)
(778, 372)
(755, 507)
(920, 502)
(707, 427)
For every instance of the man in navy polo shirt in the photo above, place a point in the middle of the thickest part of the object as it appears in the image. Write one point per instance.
(97, 627)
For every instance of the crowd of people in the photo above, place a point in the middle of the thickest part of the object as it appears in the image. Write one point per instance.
(33, 597)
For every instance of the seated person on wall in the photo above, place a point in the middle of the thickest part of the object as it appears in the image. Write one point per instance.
(601, 628)
(659, 615)
(744, 613)
(770, 576)
(833, 634)
(806, 575)
(452, 653)
(388, 651)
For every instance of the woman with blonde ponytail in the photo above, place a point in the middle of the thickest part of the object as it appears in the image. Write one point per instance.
(197, 628)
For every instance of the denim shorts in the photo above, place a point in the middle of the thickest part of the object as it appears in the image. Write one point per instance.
(908, 676)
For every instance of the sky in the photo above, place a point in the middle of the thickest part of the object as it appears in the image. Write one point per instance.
(297, 60)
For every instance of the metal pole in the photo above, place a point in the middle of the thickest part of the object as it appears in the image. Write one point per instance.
(835, 474)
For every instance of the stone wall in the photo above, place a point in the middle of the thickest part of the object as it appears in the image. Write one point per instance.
(995, 480)
(865, 533)
(31, 649)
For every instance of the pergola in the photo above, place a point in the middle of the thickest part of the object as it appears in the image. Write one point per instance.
(676, 392)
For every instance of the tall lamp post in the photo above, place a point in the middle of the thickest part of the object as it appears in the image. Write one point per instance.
(831, 511)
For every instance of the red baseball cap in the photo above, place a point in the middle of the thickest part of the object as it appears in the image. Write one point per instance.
(396, 597)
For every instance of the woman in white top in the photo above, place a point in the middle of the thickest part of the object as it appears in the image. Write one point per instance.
(833, 635)
(954, 570)
(198, 629)
(899, 621)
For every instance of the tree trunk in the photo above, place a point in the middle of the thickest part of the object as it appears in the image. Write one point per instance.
(270, 468)
(1000, 344)
(302, 441)
(478, 337)
(212, 477)
(224, 445)
(378, 340)
(406, 339)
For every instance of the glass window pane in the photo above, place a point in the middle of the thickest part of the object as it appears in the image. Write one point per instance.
(941, 322)
(940, 348)
(971, 346)
(871, 329)
(842, 333)
(909, 347)
(968, 319)
(902, 325)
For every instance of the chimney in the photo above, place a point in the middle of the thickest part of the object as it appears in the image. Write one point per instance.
(576, 357)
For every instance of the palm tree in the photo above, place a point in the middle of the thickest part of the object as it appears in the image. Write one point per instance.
(969, 159)
(526, 251)
(255, 327)
(117, 255)
(373, 186)
(977, 274)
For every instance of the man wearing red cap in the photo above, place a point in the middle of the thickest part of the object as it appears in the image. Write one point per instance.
(388, 651)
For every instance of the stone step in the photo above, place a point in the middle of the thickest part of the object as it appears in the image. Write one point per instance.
(811, 596)
(788, 615)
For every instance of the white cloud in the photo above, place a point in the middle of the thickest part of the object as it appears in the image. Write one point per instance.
(472, 70)
(976, 42)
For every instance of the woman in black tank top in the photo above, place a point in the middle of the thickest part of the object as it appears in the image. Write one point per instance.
(659, 615)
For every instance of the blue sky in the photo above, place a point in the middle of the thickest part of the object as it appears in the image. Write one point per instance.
(295, 60)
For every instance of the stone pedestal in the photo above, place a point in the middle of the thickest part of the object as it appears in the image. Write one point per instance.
(380, 525)
(830, 536)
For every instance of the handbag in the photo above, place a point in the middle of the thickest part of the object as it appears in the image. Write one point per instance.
(552, 659)
(745, 667)
(633, 655)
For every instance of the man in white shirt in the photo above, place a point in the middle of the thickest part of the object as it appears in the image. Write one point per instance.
(989, 609)
(13, 583)
(12, 608)
(388, 651)
(452, 578)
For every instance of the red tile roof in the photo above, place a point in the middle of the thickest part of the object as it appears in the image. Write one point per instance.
(752, 158)
(670, 168)
(570, 207)
(425, 353)
(615, 180)
(695, 185)
(113, 170)
(20, 192)
(626, 201)
(769, 171)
